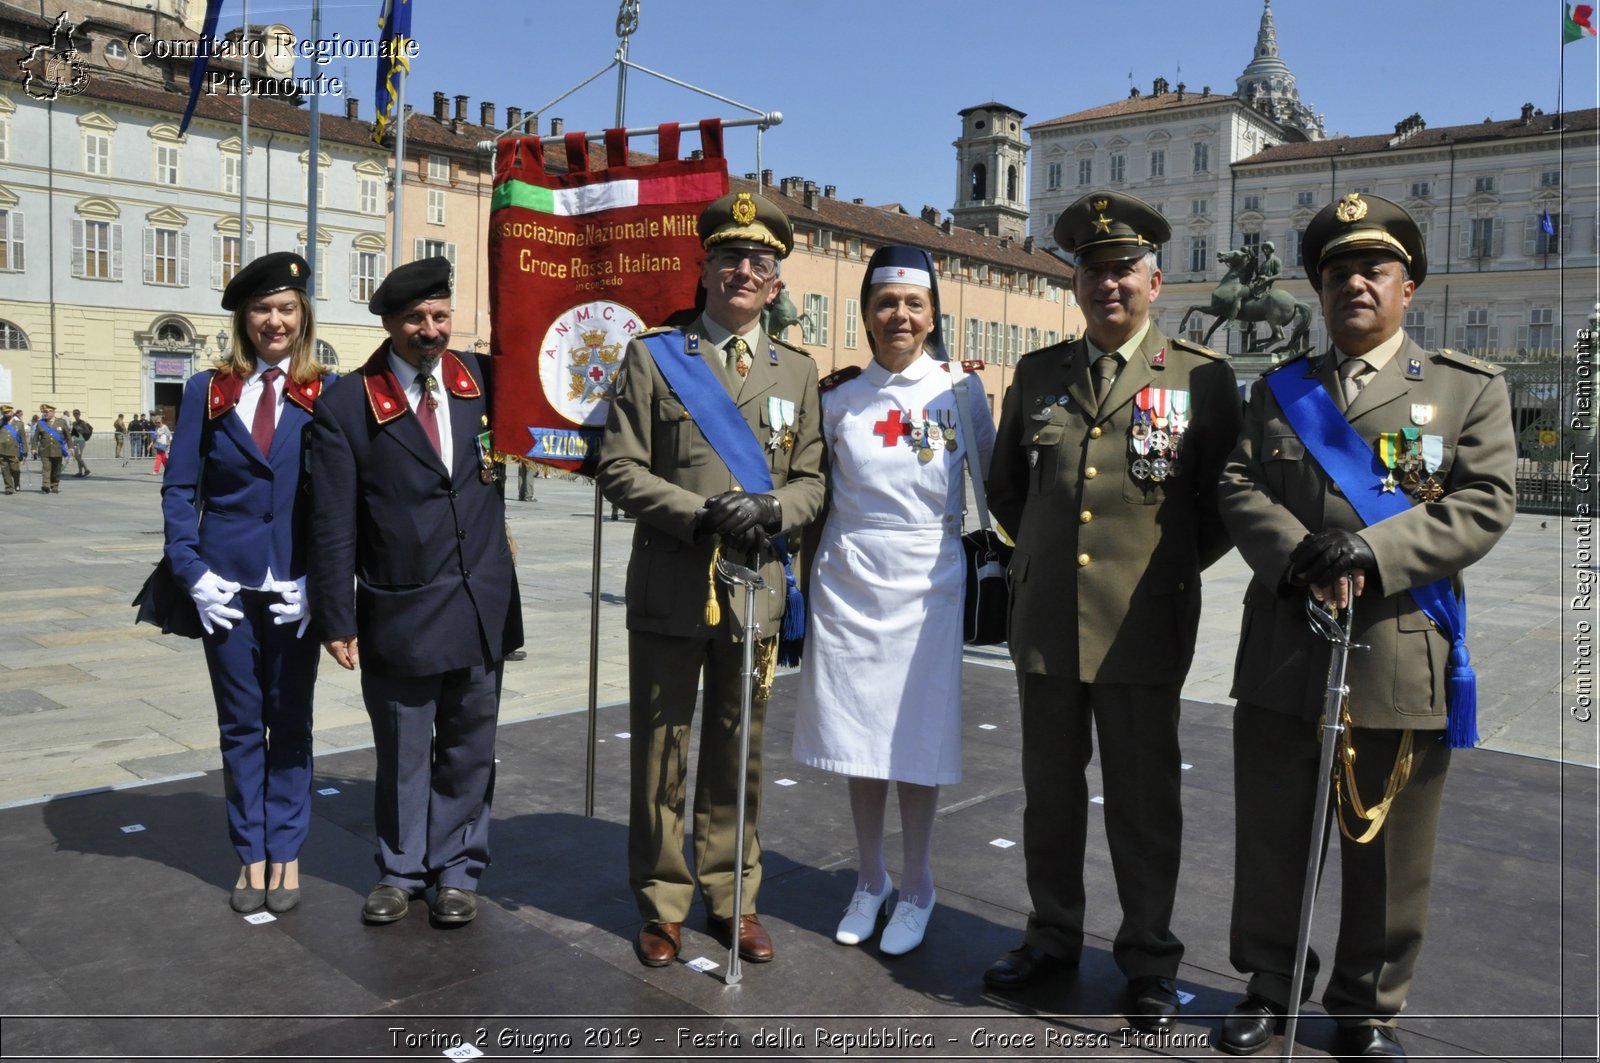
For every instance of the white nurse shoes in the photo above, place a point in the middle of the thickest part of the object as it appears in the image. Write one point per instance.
(906, 927)
(860, 920)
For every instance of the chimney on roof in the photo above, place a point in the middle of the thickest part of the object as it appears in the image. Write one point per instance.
(1407, 128)
(858, 201)
(486, 113)
(558, 126)
(1005, 241)
(828, 191)
(811, 195)
(352, 107)
(766, 178)
(930, 215)
(1027, 244)
(1180, 91)
(791, 185)
(409, 109)
(441, 106)
(946, 225)
(1527, 114)
(697, 153)
(1159, 88)
(983, 230)
(750, 177)
(513, 117)
(461, 108)
(1205, 90)
(1133, 92)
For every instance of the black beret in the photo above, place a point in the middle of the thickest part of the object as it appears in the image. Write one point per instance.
(279, 271)
(1108, 226)
(748, 217)
(426, 278)
(1358, 222)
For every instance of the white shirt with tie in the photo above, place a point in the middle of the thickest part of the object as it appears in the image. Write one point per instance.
(406, 373)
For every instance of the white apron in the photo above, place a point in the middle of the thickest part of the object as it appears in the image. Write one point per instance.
(880, 686)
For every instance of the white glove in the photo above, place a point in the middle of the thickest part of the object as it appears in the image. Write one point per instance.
(293, 607)
(211, 594)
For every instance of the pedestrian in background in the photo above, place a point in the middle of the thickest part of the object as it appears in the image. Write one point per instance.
(119, 433)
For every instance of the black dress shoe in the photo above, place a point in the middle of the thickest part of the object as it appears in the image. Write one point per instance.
(453, 906)
(1250, 1025)
(1023, 966)
(385, 904)
(1363, 1042)
(517, 655)
(1152, 1003)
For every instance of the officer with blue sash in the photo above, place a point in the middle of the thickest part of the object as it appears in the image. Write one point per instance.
(13, 448)
(1394, 465)
(50, 443)
(714, 437)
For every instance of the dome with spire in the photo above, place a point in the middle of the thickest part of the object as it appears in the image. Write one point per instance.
(1268, 86)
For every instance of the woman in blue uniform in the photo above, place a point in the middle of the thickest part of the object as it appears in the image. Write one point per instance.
(234, 506)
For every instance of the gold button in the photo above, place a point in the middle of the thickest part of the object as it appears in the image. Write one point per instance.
(1036, 437)
(1083, 560)
(1090, 473)
(1085, 517)
(1276, 452)
(1095, 433)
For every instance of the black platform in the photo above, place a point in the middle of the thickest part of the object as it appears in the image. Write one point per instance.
(120, 943)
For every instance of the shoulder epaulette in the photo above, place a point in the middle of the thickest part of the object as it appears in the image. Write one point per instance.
(1293, 360)
(1194, 348)
(654, 331)
(1467, 361)
(837, 377)
(796, 348)
(972, 365)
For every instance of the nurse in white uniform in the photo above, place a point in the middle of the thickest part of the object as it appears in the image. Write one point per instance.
(880, 689)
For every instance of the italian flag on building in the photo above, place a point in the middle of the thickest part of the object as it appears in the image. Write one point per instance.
(1578, 23)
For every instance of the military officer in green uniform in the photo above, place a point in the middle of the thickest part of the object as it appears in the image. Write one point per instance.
(1105, 473)
(49, 442)
(1429, 431)
(13, 448)
(658, 463)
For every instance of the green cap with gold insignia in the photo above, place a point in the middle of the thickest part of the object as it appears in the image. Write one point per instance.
(1110, 226)
(1360, 222)
(749, 217)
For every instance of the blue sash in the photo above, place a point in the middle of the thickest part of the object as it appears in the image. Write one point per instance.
(725, 428)
(1352, 464)
(22, 448)
(66, 451)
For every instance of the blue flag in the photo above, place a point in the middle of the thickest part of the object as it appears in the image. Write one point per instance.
(1546, 226)
(395, 27)
(202, 57)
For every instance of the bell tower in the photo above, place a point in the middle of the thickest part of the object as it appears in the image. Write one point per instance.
(992, 171)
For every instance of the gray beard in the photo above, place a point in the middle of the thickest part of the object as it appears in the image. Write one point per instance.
(427, 361)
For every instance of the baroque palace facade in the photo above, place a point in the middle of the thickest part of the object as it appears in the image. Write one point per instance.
(1253, 166)
(117, 234)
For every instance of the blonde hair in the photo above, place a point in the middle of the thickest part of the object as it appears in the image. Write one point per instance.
(303, 365)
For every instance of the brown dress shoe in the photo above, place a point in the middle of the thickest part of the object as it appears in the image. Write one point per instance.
(755, 944)
(657, 944)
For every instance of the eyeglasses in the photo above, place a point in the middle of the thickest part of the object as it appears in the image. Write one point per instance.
(763, 266)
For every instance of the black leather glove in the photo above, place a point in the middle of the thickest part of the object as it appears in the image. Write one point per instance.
(740, 518)
(1324, 557)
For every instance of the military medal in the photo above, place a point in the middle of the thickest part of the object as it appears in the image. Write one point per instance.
(781, 415)
(1160, 404)
(1389, 452)
(924, 455)
(1159, 440)
(485, 447)
(1430, 490)
(1179, 416)
(1160, 469)
(1140, 469)
(430, 386)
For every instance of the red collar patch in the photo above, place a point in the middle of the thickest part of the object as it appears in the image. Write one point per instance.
(386, 396)
(226, 389)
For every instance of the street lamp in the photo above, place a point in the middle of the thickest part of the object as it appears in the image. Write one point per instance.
(222, 341)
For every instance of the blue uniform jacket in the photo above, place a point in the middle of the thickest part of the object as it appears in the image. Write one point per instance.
(255, 512)
(415, 563)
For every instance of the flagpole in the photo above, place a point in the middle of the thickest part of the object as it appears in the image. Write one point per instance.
(312, 178)
(244, 135)
(399, 160)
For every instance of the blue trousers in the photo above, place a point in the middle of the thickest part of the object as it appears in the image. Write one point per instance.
(262, 678)
(434, 739)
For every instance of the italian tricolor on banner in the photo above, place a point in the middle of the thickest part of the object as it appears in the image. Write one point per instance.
(1578, 23)
(581, 261)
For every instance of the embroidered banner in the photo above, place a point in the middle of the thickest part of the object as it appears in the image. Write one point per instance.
(579, 264)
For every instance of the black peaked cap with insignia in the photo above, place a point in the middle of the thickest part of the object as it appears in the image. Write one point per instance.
(1360, 222)
(1108, 226)
(279, 271)
(426, 278)
(748, 217)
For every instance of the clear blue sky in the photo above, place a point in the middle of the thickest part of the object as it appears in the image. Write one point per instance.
(870, 90)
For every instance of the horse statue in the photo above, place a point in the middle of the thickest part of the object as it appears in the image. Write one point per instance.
(778, 315)
(1229, 303)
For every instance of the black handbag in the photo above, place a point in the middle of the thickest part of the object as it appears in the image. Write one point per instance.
(988, 601)
(165, 603)
(986, 609)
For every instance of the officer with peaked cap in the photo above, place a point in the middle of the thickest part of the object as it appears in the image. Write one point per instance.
(413, 582)
(1105, 471)
(13, 447)
(1394, 465)
(658, 462)
(49, 441)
